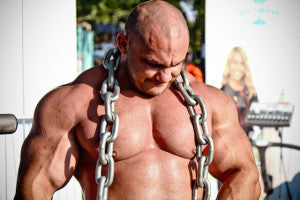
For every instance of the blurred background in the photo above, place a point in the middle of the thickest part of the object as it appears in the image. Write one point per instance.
(45, 44)
(100, 21)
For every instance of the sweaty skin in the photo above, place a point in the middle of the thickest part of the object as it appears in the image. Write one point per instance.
(155, 150)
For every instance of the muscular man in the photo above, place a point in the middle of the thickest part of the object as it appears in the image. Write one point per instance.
(154, 152)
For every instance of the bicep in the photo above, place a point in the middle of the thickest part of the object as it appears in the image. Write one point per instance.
(49, 155)
(232, 148)
(47, 163)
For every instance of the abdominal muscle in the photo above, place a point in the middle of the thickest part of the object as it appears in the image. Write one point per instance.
(151, 174)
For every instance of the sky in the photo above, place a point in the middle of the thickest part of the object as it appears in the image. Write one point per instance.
(188, 9)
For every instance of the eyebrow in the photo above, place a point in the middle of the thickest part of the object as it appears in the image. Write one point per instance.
(178, 63)
(153, 62)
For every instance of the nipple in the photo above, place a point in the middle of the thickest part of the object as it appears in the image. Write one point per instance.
(114, 153)
(194, 151)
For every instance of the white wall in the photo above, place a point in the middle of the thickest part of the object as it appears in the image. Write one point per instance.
(273, 51)
(37, 53)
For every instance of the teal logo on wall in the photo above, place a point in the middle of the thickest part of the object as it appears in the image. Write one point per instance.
(259, 1)
(260, 12)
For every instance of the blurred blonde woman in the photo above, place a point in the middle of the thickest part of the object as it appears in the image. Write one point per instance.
(237, 83)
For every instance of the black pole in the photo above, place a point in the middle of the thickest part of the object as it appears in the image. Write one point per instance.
(8, 123)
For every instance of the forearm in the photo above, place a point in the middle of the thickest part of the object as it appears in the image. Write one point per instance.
(240, 186)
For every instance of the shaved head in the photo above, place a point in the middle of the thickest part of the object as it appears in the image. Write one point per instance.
(159, 16)
(153, 47)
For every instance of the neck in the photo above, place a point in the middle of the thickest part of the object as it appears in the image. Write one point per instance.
(123, 77)
(237, 85)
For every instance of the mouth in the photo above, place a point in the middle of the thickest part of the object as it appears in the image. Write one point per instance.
(155, 83)
(154, 87)
(239, 73)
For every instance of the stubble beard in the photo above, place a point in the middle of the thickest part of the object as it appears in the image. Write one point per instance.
(145, 91)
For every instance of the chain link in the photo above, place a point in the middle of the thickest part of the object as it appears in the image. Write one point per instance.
(201, 133)
(110, 92)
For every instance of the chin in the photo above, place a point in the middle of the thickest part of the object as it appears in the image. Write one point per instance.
(155, 91)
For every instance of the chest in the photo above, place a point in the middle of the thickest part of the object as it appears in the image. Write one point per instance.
(162, 123)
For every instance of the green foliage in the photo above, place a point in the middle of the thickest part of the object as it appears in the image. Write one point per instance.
(104, 11)
(197, 30)
(108, 11)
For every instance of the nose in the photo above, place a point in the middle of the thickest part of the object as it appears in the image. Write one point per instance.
(164, 75)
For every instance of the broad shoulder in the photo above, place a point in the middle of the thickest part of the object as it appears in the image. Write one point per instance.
(92, 77)
(210, 94)
(66, 105)
(218, 103)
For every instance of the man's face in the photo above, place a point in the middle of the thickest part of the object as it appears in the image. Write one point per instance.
(154, 66)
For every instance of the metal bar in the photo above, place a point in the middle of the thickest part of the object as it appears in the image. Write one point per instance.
(290, 146)
(262, 147)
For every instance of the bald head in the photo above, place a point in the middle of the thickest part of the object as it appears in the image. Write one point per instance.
(156, 16)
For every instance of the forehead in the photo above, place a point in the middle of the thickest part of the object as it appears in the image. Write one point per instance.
(164, 49)
(237, 56)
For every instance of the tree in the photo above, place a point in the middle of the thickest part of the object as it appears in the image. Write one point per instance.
(197, 31)
(108, 11)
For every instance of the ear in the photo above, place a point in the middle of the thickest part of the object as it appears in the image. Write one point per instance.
(122, 43)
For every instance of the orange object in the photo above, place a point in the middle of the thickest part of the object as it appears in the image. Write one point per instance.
(195, 71)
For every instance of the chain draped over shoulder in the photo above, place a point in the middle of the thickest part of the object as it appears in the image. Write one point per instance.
(110, 92)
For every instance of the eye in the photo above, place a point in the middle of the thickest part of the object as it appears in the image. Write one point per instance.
(150, 63)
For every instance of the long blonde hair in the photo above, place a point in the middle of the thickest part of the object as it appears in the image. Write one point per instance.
(247, 79)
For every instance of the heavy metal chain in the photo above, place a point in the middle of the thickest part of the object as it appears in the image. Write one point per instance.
(201, 133)
(110, 92)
